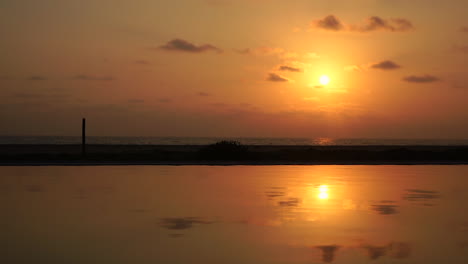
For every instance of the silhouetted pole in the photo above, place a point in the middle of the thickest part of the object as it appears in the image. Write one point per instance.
(83, 137)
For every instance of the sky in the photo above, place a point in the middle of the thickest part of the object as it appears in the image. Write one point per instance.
(243, 68)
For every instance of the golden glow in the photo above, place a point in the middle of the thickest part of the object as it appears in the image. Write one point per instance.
(324, 80)
(323, 192)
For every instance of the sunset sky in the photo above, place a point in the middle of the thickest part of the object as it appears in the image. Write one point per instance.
(251, 68)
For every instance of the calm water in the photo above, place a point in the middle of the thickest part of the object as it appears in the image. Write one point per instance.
(211, 140)
(241, 214)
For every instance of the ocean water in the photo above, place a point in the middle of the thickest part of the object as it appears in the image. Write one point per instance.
(232, 215)
(210, 140)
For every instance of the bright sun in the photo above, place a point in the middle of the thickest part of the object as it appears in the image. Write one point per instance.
(324, 80)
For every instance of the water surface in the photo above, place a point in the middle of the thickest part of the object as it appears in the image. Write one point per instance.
(239, 214)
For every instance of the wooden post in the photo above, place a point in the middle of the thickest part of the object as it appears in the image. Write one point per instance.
(83, 138)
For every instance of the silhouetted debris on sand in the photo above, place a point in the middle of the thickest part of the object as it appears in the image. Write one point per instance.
(232, 151)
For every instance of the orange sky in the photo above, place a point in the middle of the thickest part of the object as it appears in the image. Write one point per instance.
(398, 68)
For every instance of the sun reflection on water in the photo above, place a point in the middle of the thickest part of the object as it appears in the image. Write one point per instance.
(323, 192)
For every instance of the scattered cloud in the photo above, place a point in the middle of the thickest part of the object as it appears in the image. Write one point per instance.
(289, 68)
(275, 192)
(376, 23)
(203, 94)
(84, 77)
(329, 22)
(328, 252)
(385, 65)
(420, 195)
(185, 46)
(37, 78)
(421, 79)
(464, 29)
(385, 209)
(291, 202)
(273, 77)
(373, 23)
(182, 223)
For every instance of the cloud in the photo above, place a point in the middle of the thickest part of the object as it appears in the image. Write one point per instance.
(464, 29)
(273, 77)
(84, 77)
(329, 22)
(291, 202)
(385, 65)
(385, 209)
(37, 78)
(376, 23)
(203, 94)
(289, 68)
(421, 79)
(185, 46)
(373, 23)
(328, 252)
(420, 195)
(181, 223)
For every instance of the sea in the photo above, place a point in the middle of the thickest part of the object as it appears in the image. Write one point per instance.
(234, 214)
(320, 141)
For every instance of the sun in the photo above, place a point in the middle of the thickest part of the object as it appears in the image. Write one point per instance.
(324, 80)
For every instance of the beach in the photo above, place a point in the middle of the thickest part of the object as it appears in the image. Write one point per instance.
(253, 155)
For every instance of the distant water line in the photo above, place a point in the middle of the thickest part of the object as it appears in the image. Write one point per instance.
(65, 140)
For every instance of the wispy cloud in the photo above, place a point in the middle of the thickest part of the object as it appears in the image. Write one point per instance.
(464, 29)
(84, 77)
(385, 65)
(273, 77)
(185, 46)
(373, 23)
(289, 68)
(421, 79)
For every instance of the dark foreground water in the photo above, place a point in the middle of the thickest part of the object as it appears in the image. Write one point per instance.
(241, 214)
